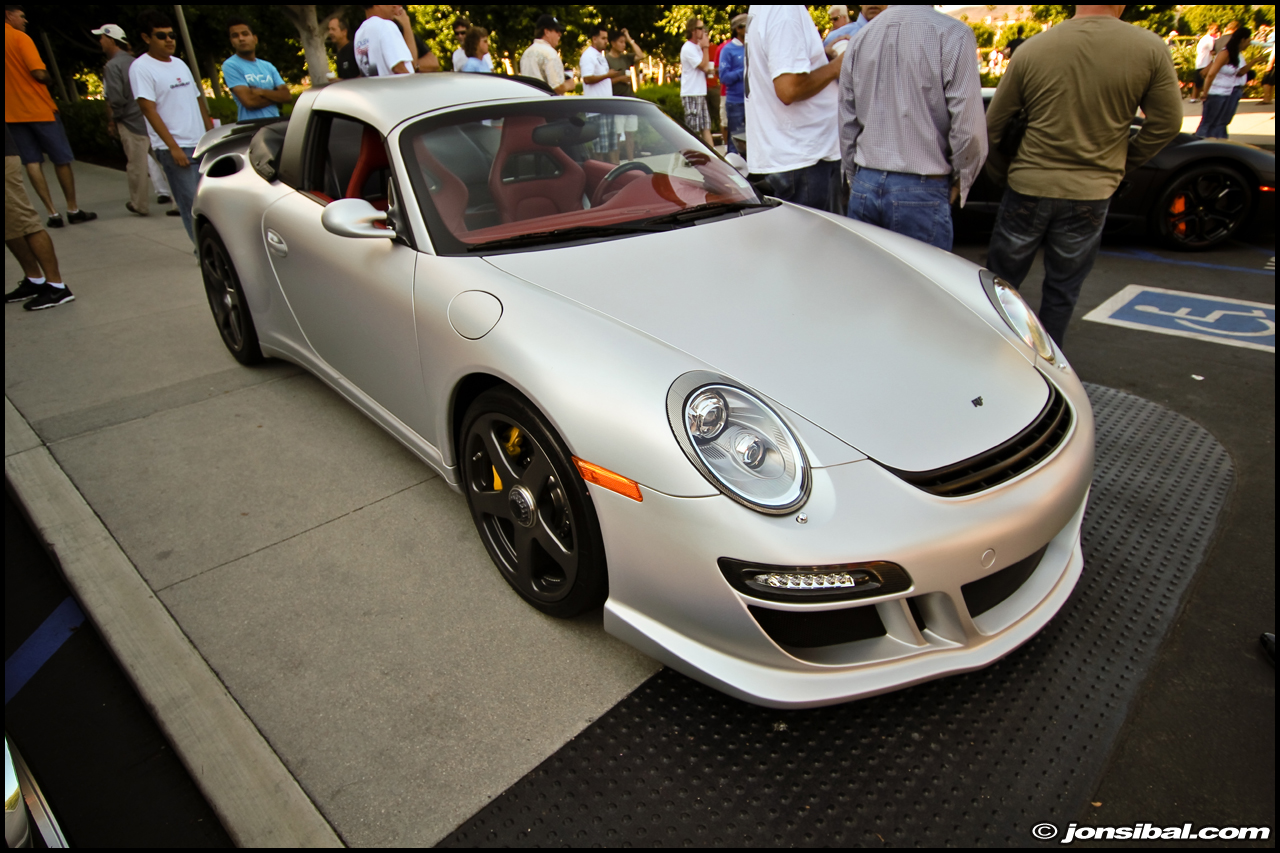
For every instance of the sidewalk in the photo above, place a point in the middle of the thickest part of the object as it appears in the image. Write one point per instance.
(332, 583)
(1254, 123)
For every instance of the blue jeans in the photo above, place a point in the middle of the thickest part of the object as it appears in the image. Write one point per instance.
(1217, 113)
(914, 205)
(182, 183)
(737, 123)
(1071, 232)
(816, 186)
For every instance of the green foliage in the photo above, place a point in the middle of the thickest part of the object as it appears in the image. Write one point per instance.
(86, 124)
(1184, 61)
(984, 33)
(1159, 19)
(1017, 30)
(666, 97)
(1052, 14)
(223, 109)
(989, 81)
(717, 19)
(1200, 17)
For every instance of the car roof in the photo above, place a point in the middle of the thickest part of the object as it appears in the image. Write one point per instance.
(385, 102)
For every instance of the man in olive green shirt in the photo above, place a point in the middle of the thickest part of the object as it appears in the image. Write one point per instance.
(1078, 85)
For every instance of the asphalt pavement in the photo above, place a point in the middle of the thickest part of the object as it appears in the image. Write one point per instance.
(337, 590)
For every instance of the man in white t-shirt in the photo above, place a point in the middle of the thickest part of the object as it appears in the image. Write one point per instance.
(597, 77)
(793, 138)
(1204, 56)
(169, 96)
(597, 82)
(384, 43)
(695, 63)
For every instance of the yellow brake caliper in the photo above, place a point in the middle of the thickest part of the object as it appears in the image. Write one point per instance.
(512, 446)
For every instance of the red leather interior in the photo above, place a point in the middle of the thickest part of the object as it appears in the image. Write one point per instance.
(636, 200)
(595, 171)
(528, 199)
(373, 158)
(451, 197)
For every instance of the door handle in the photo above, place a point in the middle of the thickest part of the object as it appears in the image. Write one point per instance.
(276, 243)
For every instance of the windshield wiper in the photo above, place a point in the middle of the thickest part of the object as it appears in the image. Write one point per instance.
(688, 215)
(560, 235)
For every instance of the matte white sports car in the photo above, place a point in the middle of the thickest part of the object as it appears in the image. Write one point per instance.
(798, 458)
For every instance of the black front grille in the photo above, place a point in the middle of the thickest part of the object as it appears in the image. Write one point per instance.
(985, 593)
(1003, 462)
(804, 630)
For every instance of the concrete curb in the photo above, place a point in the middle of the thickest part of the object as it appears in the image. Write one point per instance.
(258, 801)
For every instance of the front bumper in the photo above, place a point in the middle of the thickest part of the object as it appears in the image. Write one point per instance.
(669, 599)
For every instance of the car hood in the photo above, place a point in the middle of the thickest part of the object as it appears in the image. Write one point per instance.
(817, 317)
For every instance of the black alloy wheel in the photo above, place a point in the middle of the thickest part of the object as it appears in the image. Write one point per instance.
(530, 505)
(226, 298)
(1202, 207)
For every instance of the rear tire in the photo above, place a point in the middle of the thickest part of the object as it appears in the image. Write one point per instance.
(226, 298)
(1202, 208)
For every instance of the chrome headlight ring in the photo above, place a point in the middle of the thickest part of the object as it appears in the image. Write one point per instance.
(1014, 310)
(738, 442)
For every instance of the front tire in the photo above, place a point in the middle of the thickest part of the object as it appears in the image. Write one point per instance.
(1202, 207)
(530, 505)
(226, 298)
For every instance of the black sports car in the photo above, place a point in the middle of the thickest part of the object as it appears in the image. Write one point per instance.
(1194, 195)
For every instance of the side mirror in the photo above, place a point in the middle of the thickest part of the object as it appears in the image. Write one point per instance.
(354, 217)
(737, 161)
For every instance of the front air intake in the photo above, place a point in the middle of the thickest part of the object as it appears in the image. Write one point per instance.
(1001, 463)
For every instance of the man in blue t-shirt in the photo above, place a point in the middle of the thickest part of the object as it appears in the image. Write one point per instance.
(255, 83)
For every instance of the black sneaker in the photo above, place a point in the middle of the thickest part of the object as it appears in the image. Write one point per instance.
(173, 211)
(25, 290)
(54, 221)
(81, 216)
(50, 297)
(163, 199)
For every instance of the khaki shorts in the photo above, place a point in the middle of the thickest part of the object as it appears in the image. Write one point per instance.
(20, 218)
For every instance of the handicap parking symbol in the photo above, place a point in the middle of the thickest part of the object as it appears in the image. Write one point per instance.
(1234, 322)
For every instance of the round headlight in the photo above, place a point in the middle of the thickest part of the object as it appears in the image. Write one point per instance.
(1018, 314)
(743, 447)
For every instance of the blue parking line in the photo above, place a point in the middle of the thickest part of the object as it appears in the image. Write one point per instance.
(36, 650)
(1140, 255)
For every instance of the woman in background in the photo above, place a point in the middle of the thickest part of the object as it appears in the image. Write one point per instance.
(1223, 85)
(476, 46)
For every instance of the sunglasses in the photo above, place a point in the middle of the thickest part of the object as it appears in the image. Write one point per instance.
(166, 35)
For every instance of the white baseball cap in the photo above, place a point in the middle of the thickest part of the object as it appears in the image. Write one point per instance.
(111, 30)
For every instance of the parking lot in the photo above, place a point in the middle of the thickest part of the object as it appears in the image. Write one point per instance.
(337, 591)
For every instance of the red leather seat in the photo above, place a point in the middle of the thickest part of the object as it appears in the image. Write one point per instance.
(373, 158)
(529, 198)
(449, 194)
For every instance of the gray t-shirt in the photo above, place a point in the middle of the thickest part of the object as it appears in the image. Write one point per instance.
(115, 82)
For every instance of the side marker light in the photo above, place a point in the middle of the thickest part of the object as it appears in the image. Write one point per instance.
(1266, 189)
(606, 479)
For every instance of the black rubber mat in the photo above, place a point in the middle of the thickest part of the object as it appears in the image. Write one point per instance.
(976, 759)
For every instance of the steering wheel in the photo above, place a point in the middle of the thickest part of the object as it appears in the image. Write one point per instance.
(616, 172)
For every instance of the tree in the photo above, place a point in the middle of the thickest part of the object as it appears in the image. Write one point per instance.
(308, 25)
(1159, 19)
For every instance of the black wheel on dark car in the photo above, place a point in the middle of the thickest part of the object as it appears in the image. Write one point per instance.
(530, 505)
(226, 298)
(1202, 208)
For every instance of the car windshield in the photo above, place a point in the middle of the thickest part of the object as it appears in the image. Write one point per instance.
(513, 176)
